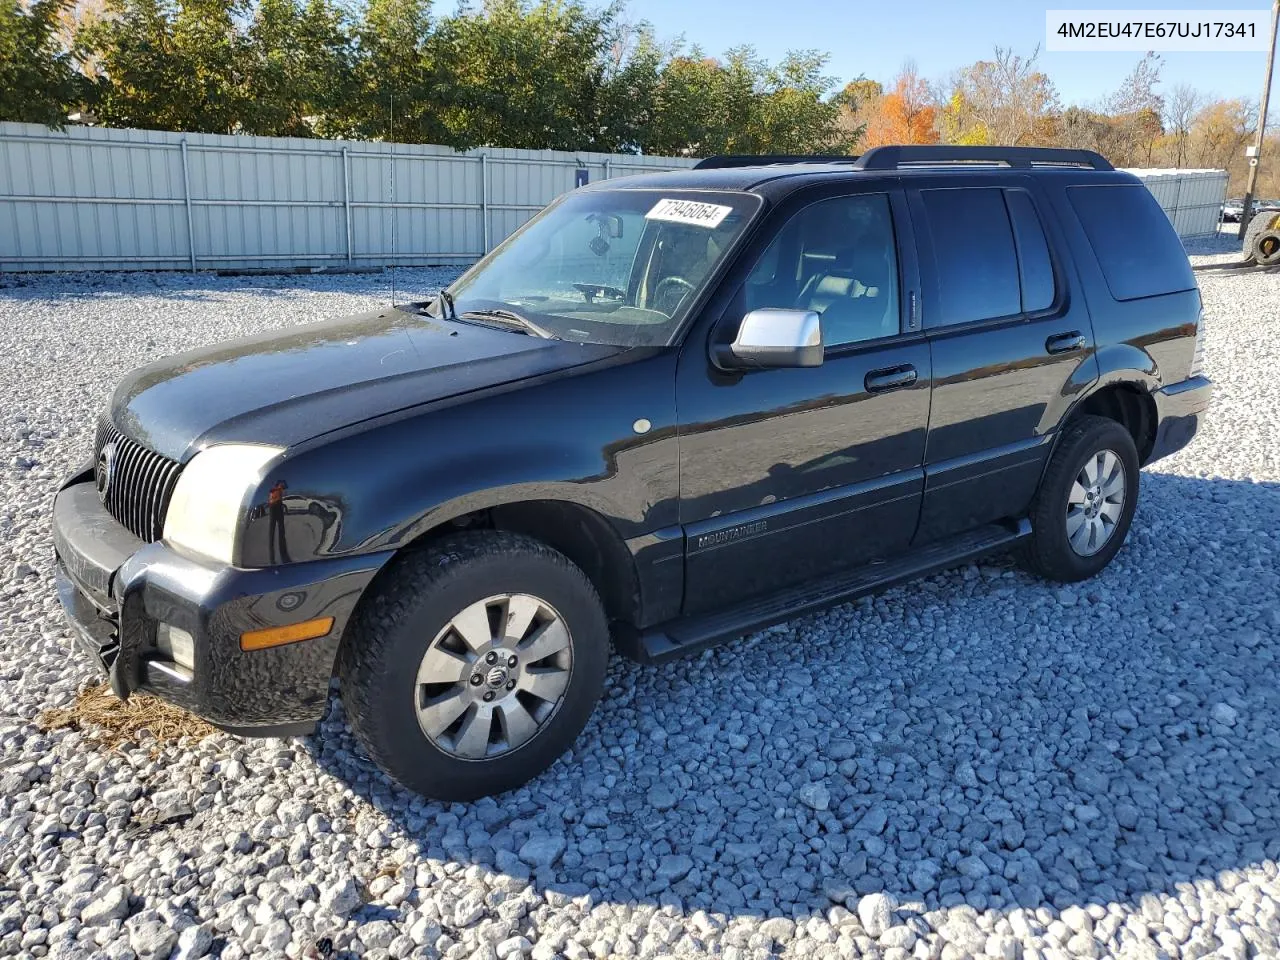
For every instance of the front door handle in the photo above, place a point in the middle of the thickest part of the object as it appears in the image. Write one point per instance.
(1066, 342)
(890, 378)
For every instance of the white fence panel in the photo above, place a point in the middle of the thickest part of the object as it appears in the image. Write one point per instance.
(1192, 199)
(95, 198)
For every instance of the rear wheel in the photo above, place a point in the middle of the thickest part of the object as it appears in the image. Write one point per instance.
(1086, 501)
(476, 664)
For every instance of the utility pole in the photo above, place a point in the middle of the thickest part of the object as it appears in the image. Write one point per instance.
(1256, 160)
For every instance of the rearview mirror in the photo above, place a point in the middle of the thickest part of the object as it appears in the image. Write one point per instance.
(771, 337)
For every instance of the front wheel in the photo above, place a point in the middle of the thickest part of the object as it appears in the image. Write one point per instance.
(1086, 501)
(475, 665)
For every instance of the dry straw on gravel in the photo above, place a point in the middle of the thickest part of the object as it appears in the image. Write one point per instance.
(101, 715)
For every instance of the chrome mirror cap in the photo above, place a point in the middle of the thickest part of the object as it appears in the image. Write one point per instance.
(773, 337)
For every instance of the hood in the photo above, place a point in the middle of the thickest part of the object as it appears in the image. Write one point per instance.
(291, 385)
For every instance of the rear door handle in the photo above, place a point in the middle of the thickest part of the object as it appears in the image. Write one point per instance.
(1066, 342)
(890, 378)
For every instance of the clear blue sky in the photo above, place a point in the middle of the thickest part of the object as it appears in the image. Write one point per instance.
(875, 38)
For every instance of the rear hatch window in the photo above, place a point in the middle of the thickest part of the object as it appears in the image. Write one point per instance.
(1137, 248)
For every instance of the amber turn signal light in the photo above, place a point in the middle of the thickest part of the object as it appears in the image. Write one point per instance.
(279, 636)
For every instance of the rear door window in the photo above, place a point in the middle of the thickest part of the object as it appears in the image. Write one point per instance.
(973, 250)
(1137, 248)
(1034, 265)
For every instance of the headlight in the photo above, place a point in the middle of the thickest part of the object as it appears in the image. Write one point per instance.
(209, 499)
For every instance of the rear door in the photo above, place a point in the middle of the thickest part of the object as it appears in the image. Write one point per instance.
(1011, 347)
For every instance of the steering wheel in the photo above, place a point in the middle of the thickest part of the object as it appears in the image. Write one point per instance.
(676, 283)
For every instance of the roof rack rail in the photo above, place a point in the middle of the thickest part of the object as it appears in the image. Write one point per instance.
(725, 160)
(891, 158)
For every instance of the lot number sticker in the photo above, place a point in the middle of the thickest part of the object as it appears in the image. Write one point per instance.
(688, 211)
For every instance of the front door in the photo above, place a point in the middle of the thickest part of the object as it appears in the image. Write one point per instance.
(788, 474)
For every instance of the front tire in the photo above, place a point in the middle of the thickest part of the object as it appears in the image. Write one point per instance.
(1085, 503)
(475, 665)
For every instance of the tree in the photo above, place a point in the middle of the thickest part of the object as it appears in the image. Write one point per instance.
(1004, 100)
(1180, 114)
(168, 68)
(1135, 110)
(527, 75)
(38, 79)
(742, 104)
(393, 89)
(905, 115)
(297, 71)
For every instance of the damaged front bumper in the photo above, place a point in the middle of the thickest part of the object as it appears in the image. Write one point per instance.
(117, 590)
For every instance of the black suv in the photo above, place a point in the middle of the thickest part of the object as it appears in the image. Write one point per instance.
(670, 410)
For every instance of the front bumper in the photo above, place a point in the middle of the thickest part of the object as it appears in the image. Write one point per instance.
(116, 589)
(1179, 409)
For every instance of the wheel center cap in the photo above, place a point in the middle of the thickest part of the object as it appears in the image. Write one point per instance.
(496, 677)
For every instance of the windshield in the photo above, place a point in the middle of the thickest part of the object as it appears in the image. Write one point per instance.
(605, 266)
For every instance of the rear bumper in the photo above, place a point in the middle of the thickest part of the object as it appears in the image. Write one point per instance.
(115, 589)
(1179, 409)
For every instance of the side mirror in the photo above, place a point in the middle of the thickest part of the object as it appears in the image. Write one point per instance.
(771, 337)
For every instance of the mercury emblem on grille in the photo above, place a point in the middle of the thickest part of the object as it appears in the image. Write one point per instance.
(105, 469)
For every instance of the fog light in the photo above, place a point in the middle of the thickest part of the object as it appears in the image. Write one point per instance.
(176, 644)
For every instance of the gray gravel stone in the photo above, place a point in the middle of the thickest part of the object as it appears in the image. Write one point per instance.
(542, 851)
(674, 867)
(815, 796)
(341, 898)
(112, 904)
(193, 942)
(875, 910)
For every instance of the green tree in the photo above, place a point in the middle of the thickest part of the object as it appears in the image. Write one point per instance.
(39, 82)
(298, 68)
(170, 68)
(528, 76)
(743, 105)
(393, 89)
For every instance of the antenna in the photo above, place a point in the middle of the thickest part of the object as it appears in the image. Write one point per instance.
(391, 268)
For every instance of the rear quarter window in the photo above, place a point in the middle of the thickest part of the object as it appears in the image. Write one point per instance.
(1137, 249)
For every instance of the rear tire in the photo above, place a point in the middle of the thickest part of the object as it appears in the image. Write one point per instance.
(1085, 503)
(470, 605)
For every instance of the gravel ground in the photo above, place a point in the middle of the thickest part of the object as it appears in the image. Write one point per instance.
(976, 764)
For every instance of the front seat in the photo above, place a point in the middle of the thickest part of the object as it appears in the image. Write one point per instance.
(856, 296)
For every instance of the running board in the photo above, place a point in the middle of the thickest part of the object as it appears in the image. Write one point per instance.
(678, 638)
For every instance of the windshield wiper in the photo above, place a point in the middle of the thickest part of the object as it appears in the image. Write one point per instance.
(512, 320)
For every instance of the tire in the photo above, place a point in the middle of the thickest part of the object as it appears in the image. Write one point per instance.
(1265, 249)
(381, 666)
(1050, 551)
(1258, 223)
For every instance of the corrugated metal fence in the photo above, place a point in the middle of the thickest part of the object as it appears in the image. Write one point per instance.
(1191, 198)
(95, 198)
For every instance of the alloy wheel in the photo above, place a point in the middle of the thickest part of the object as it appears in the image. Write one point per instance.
(1095, 503)
(494, 676)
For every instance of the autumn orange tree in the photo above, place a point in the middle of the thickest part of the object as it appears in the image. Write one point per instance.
(906, 114)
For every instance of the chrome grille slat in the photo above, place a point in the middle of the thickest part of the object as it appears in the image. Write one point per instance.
(141, 485)
(146, 493)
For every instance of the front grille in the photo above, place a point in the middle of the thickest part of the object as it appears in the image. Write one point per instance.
(140, 485)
